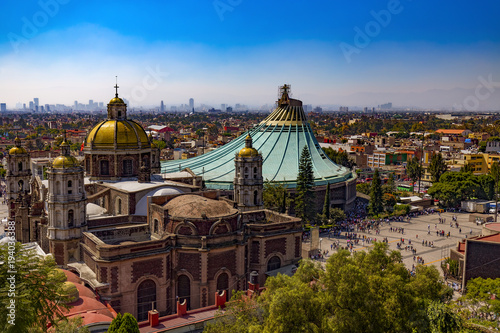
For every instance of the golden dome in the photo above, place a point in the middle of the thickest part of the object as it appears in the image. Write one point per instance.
(116, 100)
(248, 152)
(17, 151)
(65, 161)
(69, 292)
(126, 134)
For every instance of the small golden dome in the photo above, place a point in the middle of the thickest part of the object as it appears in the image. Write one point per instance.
(122, 134)
(116, 100)
(65, 162)
(248, 152)
(17, 151)
(69, 292)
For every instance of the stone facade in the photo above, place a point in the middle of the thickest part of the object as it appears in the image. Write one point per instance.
(188, 258)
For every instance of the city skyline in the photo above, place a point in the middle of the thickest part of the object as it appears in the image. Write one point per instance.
(355, 54)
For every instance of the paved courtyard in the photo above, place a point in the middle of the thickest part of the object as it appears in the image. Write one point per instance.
(418, 229)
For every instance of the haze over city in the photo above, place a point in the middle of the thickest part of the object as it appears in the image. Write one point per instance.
(364, 53)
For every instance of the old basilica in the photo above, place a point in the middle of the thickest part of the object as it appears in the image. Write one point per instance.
(144, 240)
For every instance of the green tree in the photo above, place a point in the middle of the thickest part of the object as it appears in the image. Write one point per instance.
(305, 182)
(337, 215)
(390, 186)
(124, 324)
(437, 167)
(128, 324)
(73, 325)
(363, 292)
(482, 298)
(466, 168)
(115, 324)
(160, 144)
(339, 157)
(413, 170)
(363, 188)
(38, 300)
(274, 196)
(241, 315)
(442, 319)
(375, 206)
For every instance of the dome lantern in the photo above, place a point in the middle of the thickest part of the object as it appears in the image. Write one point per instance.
(117, 109)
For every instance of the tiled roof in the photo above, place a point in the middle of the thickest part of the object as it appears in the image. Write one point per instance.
(280, 138)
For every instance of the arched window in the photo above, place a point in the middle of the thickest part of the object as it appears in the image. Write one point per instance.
(70, 186)
(255, 172)
(155, 226)
(273, 263)
(70, 218)
(255, 196)
(246, 172)
(104, 168)
(20, 166)
(184, 290)
(21, 185)
(223, 283)
(58, 188)
(146, 299)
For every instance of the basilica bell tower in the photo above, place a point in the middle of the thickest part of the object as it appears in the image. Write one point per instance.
(66, 207)
(248, 182)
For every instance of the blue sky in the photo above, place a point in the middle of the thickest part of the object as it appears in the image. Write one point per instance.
(239, 51)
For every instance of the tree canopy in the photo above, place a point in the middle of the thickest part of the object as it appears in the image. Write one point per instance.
(437, 167)
(454, 187)
(364, 292)
(37, 293)
(376, 205)
(414, 169)
(305, 182)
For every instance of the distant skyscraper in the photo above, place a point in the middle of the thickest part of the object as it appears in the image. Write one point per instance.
(91, 102)
(76, 105)
(191, 104)
(32, 106)
(3, 107)
(162, 107)
(47, 108)
(24, 106)
(35, 100)
(41, 108)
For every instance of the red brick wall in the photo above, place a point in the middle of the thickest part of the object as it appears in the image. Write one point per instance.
(255, 253)
(482, 260)
(189, 262)
(147, 267)
(103, 274)
(297, 247)
(59, 253)
(276, 245)
(221, 259)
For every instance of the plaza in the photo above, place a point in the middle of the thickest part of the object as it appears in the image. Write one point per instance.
(415, 233)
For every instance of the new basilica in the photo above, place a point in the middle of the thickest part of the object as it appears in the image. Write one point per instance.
(144, 240)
